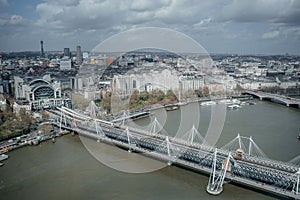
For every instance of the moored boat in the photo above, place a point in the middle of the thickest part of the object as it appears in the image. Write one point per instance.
(208, 103)
(233, 107)
(170, 108)
(3, 157)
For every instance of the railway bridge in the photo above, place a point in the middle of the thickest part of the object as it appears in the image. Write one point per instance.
(240, 161)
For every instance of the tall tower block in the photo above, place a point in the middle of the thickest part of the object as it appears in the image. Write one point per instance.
(67, 52)
(78, 55)
(42, 49)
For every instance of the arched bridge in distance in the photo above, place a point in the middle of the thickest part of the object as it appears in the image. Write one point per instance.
(288, 101)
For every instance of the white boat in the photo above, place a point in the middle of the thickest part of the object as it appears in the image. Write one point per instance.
(225, 101)
(244, 103)
(235, 101)
(233, 107)
(208, 103)
(3, 157)
(230, 101)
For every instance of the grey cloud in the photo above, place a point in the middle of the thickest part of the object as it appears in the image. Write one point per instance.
(86, 15)
(3, 3)
(14, 21)
(12, 28)
(150, 37)
(186, 12)
(226, 24)
(270, 35)
(274, 11)
(102, 14)
(65, 2)
(140, 17)
(145, 5)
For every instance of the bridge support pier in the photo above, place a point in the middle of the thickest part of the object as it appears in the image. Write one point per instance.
(215, 184)
(128, 140)
(298, 182)
(168, 149)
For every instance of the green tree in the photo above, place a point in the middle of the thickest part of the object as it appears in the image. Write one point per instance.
(135, 96)
(144, 96)
(199, 93)
(106, 102)
(239, 88)
(7, 114)
(170, 95)
(24, 120)
(158, 95)
(205, 91)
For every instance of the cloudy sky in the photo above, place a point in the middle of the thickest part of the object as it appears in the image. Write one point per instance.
(220, 26)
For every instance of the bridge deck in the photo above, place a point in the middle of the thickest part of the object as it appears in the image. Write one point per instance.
(281, 98)
(249, 172)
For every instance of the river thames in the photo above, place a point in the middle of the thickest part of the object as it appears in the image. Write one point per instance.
(65, 169)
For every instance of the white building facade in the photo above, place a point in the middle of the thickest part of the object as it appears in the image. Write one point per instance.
(39, 93)
(65, 64)
(163, 80)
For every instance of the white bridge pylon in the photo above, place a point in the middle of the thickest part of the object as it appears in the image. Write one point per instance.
(62, 118)
(296, 185)
(157, 128)
(246, 144)
(192, 137)
(167, 148)
(131, 144)
(123, 119)
(295, 161)
(99, 131)
(295, 181)
(92, 109)
(216, 179)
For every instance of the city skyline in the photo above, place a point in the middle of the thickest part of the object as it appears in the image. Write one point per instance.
(242, 27)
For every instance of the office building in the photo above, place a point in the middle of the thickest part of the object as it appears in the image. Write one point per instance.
(85, 55)
(65, 64)
(67, 52)
(78, 55)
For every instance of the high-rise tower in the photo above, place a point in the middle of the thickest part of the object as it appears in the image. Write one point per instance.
(42, 49)
(67, 52)
(78, 55)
